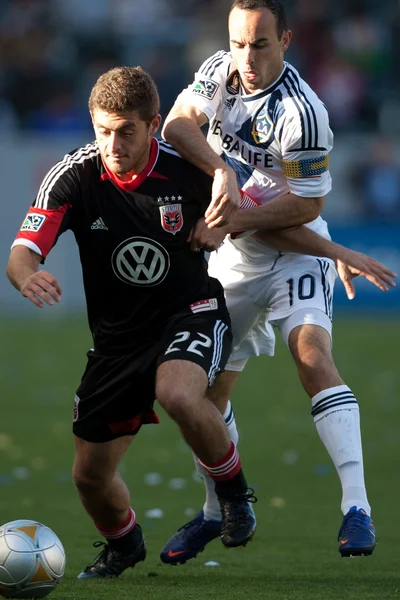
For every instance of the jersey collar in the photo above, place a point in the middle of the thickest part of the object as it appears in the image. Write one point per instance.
(251, 97)
(137, 180)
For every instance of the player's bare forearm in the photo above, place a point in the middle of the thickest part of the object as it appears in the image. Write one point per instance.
(22, 263)
(182, 131)
(39, 287)
(349, 263)
(301, 240)
(288, 211)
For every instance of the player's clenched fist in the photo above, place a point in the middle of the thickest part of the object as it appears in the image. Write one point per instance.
(225, 198)
(41, 287)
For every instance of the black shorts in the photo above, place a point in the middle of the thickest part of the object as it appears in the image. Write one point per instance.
(117, 393)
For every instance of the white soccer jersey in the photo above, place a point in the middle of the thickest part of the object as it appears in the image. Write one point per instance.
(276, 140)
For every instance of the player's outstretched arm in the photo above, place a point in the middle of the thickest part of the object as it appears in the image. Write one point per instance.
(289, 210)
(182, 131)
(350, 263)
(37, 286)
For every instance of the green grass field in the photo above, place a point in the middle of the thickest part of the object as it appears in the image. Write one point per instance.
(294, 553)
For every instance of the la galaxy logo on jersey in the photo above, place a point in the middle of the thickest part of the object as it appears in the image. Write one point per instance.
(171, 218)
(262, 129)
(206, 88)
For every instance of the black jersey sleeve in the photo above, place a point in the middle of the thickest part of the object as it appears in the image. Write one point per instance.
(50, 213)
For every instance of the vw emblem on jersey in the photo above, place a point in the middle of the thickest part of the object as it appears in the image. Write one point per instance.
(140, 261)
(262, 129)
(171, 218)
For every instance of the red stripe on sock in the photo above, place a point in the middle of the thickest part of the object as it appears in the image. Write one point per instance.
(120, 530)
(226, 468)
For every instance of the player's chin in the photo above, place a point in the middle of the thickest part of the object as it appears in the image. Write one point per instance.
(118, 165)
(118, 169)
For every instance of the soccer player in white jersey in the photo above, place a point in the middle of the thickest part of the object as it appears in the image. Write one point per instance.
(269, 133)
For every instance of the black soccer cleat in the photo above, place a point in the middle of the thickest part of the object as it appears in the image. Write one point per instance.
(110, 563)
(238, 519)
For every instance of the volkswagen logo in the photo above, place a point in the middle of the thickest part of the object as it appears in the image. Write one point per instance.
(140, 261)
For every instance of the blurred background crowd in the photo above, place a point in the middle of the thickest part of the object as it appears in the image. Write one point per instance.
(51, 52)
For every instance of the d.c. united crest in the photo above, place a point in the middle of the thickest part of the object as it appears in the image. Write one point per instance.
(171, 218)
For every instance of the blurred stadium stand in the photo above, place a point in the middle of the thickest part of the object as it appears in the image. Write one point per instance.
(51, 52)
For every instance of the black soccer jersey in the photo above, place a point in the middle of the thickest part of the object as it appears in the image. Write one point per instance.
(138, 268)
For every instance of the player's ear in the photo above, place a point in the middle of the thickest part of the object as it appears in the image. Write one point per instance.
(155, 124)
(286, 39)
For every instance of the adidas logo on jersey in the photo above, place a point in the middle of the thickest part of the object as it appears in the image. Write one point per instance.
(99, 224)
(230, 102)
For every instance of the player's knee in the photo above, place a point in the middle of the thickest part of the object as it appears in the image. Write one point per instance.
(87, 479)
(176, 402)
(312, 357)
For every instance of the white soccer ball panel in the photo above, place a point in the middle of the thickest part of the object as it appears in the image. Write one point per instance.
(21, 566)
(4, 550)
(19, 542)
(54, 560)
(45, 537)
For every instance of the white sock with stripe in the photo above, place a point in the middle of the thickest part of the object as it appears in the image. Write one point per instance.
(337, 419)
(211, 508)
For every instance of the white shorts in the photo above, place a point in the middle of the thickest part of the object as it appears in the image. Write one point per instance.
(287, 291)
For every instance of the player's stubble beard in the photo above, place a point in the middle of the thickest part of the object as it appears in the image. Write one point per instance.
(134, 164)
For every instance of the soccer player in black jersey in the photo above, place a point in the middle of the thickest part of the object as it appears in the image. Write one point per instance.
(159, 323)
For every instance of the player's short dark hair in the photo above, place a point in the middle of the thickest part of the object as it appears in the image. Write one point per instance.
(125, 89)
(275, 6)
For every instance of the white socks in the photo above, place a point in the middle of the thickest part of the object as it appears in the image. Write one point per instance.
(211, 507)
(337, 419)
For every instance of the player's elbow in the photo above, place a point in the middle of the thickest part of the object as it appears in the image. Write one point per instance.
(314, 208)
(180, 121)
(171, 128)
(167, 132)
(173, 121)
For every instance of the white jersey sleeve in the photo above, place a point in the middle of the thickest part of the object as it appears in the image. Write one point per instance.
(205, 93)
(305, 144)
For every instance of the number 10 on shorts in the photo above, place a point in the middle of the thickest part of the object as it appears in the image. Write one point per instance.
(304, 290)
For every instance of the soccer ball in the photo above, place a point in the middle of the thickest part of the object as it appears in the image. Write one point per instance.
(32, 560)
